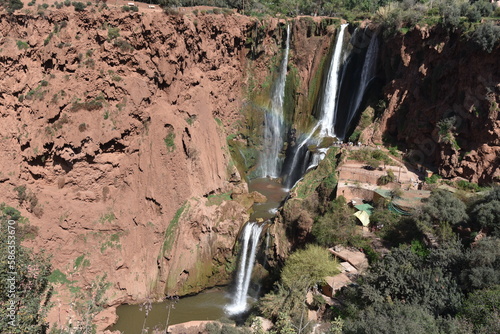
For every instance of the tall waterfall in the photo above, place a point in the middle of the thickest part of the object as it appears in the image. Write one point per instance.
(327, 116)
(274, 122)
(300, 160)
(368, 73)
(250, 240)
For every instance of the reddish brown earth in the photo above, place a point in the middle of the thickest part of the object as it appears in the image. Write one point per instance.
(434, 75)
(89, 142)
(112, 135)
(115, 121)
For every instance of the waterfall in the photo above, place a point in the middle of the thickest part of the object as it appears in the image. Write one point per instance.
(274, 121)
(300, 160)
(367, 74)
(328, 108)
(250, 240)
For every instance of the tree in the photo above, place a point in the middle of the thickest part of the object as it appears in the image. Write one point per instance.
(407, 277)
(443, 206)
(486, 36)
(337, 226)
(482, 307)
(396, 318)
(302, 270)
(486, 212)
(307, 267)
(482, 265)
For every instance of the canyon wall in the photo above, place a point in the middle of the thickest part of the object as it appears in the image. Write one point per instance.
(113, 140)
(442, 103)
(125, 136)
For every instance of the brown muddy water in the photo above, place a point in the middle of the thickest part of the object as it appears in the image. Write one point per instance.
(208, 305)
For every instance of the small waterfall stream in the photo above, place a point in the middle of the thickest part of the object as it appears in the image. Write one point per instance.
(250, 241)
(270, 165)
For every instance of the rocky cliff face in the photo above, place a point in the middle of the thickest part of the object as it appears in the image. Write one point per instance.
(442, 97)
(114, 131)
(114, 128)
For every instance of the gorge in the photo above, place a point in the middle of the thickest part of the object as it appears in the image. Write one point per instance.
(130, 140)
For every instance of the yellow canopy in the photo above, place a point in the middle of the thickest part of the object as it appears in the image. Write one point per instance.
(363, 217)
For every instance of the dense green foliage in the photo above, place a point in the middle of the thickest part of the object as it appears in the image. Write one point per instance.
(302, 270)
(305, 268)
(30, 293)
(482, 308)
(399, 318)
(427, 285)
(11, 5)
(436, 279)
(336, 226)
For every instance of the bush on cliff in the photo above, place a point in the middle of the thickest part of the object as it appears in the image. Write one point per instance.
(303, 269)
(28, 288)
(486, 36)
(11, 5)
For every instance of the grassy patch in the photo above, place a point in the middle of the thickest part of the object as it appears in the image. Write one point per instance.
(21, 45)
(81, 262)
(59, 277)
(169, 142)
(218, 198)
(113, 242)
(170, 231)
(107, 218)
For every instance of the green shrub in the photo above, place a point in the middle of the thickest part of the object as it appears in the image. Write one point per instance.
(12, 5)
(94, 104)
(468, 186)
(123, 45)
(169, 142)
(21, 45)
(67, 3)
(433, 179)
(337, 226)
(473, 14)
(79, 6)
(486, 36)
(113, 33)
(484, 7)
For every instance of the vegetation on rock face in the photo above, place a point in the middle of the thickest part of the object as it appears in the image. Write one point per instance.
(302, 270)
(336, 226)
(25, 289)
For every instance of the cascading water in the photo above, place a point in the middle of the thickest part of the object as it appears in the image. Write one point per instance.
(250, 240)
(328, 108)
(301, 155)
(368, 73)
(270, 165)
(300, 158)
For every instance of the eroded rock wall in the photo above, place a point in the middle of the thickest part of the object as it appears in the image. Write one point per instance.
(433, 76)
(113, 121)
